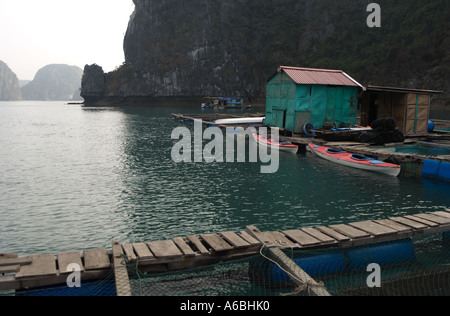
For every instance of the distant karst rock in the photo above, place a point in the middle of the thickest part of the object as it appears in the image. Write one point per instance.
(232, 47)
(93, 83)
(55, 83)
(9, 84)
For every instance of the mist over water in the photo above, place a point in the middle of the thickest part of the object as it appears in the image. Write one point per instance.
(73, 177)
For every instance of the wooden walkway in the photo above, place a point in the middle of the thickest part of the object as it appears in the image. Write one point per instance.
(196, 251)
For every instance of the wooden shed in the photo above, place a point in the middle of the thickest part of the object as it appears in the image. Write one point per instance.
(409, 107)
(298, 96)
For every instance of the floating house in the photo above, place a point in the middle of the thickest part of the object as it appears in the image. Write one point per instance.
(297, 97)
(409, 107)
(300, 96)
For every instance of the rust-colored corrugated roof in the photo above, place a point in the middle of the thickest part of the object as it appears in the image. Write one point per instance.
(401, 90)
(319, 76)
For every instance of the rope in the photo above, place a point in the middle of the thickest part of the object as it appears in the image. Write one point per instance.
(134, 269)
(306, 286)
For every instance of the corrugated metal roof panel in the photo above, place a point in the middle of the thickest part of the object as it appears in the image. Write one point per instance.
(319, 76)
(401, 90)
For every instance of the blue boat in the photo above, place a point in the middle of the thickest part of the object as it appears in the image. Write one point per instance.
(231, 102)
(223, 103)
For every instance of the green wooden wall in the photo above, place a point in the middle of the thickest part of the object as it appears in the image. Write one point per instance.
(291, 106)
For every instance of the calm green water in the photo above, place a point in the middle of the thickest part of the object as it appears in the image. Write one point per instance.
(421, 149)
(73, 178)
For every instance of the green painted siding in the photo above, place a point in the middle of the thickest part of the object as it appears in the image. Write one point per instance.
(281, 91)
(291, 106)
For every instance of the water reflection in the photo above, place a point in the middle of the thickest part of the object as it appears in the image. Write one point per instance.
(74, 178)
(168, 199)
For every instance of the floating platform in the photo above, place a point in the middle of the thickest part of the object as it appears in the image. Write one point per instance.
(417, 163)
(184, 253)
(414, 165)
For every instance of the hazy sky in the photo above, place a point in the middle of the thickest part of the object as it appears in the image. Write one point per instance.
(35, 33)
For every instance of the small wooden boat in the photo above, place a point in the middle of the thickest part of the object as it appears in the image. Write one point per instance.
(355, 161)
(281, 145)
(222, 103)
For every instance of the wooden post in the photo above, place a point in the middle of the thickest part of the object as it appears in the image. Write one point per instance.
(300, 277)
(120, 271)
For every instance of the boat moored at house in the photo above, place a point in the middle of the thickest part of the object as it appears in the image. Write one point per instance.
(355, 160)
(267, 141)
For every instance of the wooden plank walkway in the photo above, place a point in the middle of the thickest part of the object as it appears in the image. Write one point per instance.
(188, 252)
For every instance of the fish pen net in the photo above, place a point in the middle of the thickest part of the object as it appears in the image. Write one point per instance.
(412, 267)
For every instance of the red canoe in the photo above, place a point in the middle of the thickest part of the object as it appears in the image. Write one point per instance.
(355, 161)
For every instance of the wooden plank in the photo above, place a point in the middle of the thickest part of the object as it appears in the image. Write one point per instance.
(435, 219)
(15, 261)
(122, 281)
(324, 239)
(350, 231)
(8, 256)
(421, 220)
(279, 239)
(184, 247)
(373, 228)
(442, 214)
(96, 259)
(258, 235)
(302, 238)
(198, 244)
(42, 265)
(394, 225)
(129, 252)
(216, 243)
(332, 233)
(165, 249)
(410, 223)
(235, 240)
(10, 269)
(252, 241)
(66, 259)
(142, 252)
(10, 282)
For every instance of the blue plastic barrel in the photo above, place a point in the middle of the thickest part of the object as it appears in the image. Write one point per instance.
(316, 265)
(386, 254)
(446, 238)
(351, 260)
(431, 126)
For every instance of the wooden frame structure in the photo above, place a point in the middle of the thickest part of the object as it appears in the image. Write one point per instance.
(409, 107)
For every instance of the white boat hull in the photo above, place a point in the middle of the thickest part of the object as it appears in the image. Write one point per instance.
(292, 150)
(237, 121)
